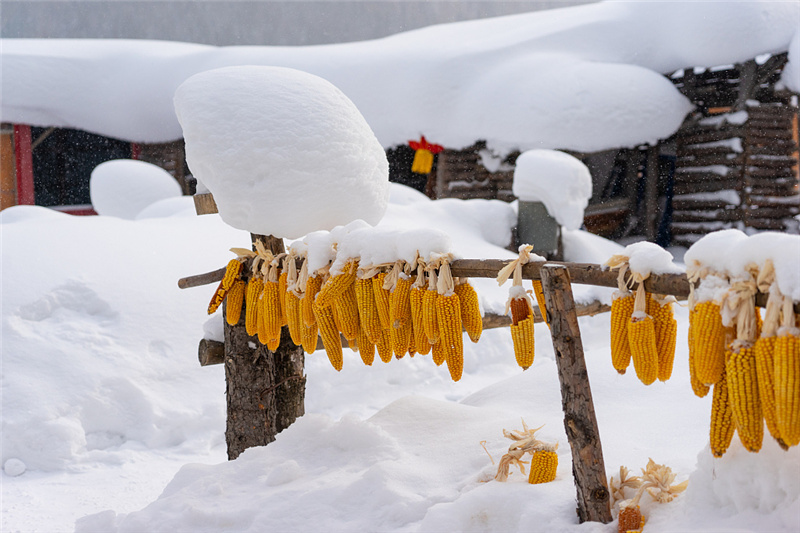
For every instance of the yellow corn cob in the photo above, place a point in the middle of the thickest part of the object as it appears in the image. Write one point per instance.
(232, 271)
(270, 312)
(740, 369)
(251, 310)
(347, 308)
(630, 519)
(310, 336)
(429, 317)
(381, 299)
(307, 302)
(539, 292)
(423, 161)
(522, 335)
(438, 353)
(400, 339)
(765, 368)
(399, 304)
(787, 388)
(448, 315)
(421, 344)
(642, 340)
(294, 319)
(367, 311)
(544, 464)
(699, 388)
(233, 302)
(366, 349)
(470, 311)
(709, 342)
(666, 330)
(722, 426)
(333, 288)
(330, 334)
(621, 310)
(385, 346)
(282, 296)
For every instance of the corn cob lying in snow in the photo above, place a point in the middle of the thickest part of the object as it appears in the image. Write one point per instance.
(544, 459)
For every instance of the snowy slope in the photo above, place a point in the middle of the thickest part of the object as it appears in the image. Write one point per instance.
(584, 78)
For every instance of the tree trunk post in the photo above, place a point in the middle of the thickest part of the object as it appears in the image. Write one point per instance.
(580, 422)
(265, 390)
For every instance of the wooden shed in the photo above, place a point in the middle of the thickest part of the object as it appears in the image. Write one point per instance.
(733, 163)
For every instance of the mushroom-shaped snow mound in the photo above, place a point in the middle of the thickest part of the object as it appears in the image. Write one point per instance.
(124, 187)
(283, 152)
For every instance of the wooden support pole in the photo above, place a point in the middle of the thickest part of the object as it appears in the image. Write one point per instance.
(265, 390)
(580, 422)
(651, 210)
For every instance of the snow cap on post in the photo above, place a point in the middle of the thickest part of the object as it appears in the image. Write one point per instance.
(558, 180)
(283, 152)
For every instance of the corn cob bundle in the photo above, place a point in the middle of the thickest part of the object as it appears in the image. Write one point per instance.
(538, 291)
(448, 316)
(722, 425)
(642, 337)
(232, 272)
(367, 310)
(666, 330)
(544, 464)
(329, 333)
(429, 320)
(416, 297)
(470, 309)
(234, 301)
(381, 299)
(519, 303)
(337, 284)
(384, 346)
(699, 388)
(787, 376)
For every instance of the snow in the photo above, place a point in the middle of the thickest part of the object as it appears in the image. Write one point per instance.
(102, 394)
(583, 78)
(731, 252)
(283, 152)
(558, 180)
(124, 187)
(791, 72)
(647, 258)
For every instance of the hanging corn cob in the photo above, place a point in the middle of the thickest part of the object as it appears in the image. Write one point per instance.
(423, 155)
(448, 316)
(398, 283)
(381, 299)
(271, 314)
(740, 365)
(520, 306)
(367, 310)
(234, 301)
(416, 297)
(337, 284)
(307, 305)
(329, 333)
(538, 291)
(347, 309)
(787, 376)
(470, 309)
(642, 336)
(232, 272)
(384, 346)
(722, 426)
(429, 320)
(255, 286)
(699, 388)
(666, 330)
(366, 349)
(621, 311)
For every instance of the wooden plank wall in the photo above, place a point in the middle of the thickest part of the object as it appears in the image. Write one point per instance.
(170, 156)
(461, 174)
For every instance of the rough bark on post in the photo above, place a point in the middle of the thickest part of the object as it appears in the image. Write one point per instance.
(265, 390)
(580, 422)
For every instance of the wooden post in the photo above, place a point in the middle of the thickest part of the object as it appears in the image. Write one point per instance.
(580, 422)
(265, 390)
(651, 210)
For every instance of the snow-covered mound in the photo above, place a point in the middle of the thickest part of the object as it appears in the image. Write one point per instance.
(124, 187)
(583, 78)
(284, 152)
(560, 181)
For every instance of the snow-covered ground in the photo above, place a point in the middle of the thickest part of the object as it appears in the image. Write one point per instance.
(119, 427)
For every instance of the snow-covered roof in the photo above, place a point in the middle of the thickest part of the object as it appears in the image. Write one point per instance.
(583, 78)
